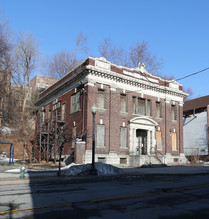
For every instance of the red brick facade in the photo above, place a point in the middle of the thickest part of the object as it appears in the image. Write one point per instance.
(97, 77)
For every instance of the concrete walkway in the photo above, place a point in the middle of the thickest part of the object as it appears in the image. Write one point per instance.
(50, 176)
(172, 170)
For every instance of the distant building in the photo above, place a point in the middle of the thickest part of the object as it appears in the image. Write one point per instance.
(196, 126)
(12, 95)
(41, 83)
(139, 118)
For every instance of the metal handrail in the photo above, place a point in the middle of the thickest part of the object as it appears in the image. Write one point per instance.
(156, 151)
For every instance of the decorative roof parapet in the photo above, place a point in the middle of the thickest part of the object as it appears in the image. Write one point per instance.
(100, 67)
(147, 85)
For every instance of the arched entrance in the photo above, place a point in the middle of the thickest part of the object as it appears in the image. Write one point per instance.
(142, 135)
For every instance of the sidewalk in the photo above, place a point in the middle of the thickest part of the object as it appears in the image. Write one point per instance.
(51, 176)
(170, 170)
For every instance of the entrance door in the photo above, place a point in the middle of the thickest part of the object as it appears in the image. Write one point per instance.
(141, 136)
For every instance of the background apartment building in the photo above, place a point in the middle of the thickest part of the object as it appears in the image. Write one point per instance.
(41, 83)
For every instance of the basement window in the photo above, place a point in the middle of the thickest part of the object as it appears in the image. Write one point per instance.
(176, 160)
(123, 160)
(102, 159)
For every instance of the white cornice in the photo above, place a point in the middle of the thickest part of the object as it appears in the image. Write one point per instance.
(102, 71)
(125, 79)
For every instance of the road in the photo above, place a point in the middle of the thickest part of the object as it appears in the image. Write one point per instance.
(143, 197)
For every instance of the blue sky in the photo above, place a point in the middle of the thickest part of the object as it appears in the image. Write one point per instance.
(176, 30)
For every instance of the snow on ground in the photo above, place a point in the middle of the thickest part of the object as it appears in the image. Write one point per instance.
(5, 160)
(102, 169)
(75, 169)
(6, 130)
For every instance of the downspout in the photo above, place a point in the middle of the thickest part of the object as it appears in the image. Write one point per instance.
(165, 122)
(180, 131)
(83, 114)
(110, 117)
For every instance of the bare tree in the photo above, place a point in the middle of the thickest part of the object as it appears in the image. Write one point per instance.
(63, 62)
(5, 44)
(25, 60)
(190, 92)
(5, 68)
(60, 64)
(141, 53)
(131, 57)
(116, 55)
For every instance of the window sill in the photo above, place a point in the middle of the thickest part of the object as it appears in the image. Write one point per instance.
(122, 148)
(101, 110)
(75, 112)
(124, 112)
(100, 147)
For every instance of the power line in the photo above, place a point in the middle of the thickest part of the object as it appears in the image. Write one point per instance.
(187, 76)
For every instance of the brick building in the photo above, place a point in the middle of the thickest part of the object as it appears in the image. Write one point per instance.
(139, 118)
(196, 126)
(41, 82)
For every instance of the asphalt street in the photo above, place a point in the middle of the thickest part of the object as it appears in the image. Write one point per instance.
(145, 196)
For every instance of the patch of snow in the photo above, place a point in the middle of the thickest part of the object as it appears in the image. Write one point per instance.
(13, 171)
(102, 169)
(6, 130)
(76, 169)
(4, 159)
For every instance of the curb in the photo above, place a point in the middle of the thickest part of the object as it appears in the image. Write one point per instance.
(83, 179)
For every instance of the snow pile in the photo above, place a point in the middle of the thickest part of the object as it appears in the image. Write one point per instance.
(6, 130)
(4, 159)
(102, 170)
(75, 169)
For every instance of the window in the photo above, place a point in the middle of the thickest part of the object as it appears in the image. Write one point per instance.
(100, 135)
(57, 110)
(174, 143)
(135, 105)
(158, 110)
(63, 111)
(50, 114)
(142, 106)
(102, 159)
(159, 139)
(148, 107)
(18, 93)
(38, 85)
(141, 103)
(56, 106)
(123, 137)
(42, 116)
(123, 103)
(173, 112)
(75, 102)
(123, 160)
(101, 99)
